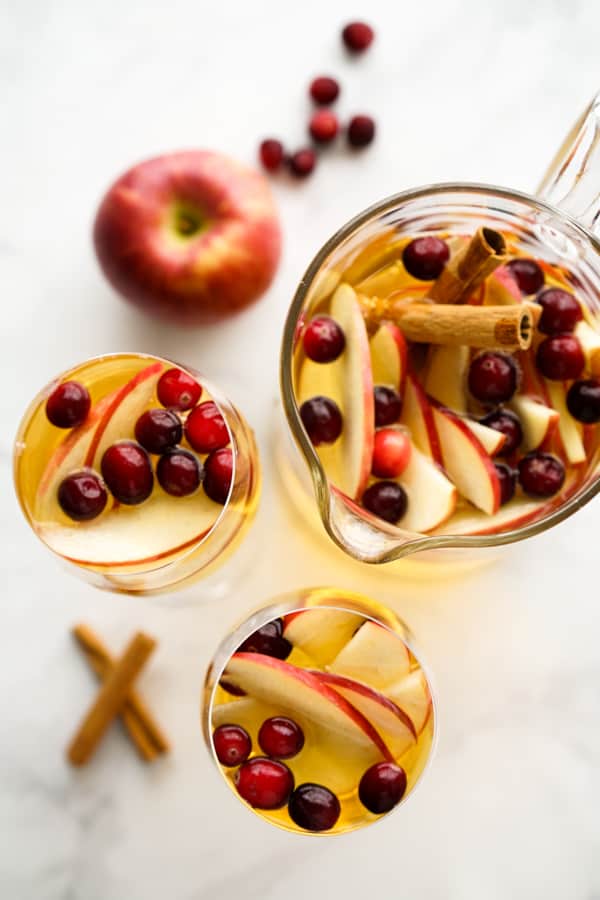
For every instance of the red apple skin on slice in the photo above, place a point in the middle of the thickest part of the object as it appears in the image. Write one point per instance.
(389, 356)
(417, 415)
(501, 288)
(321, 632)
(374, 655)
(570, 432)
(538, 421)
(412, 695)
(491, 440)
(431, 497)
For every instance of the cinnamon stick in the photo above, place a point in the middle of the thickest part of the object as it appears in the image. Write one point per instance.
(110, 699)
(469, 267)
(144, 731)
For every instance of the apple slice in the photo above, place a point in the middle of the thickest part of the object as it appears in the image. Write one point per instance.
(590, 344)
(412, 695)
(466, 462)
(392, 722)
(491, 440)
(374, 656)
(446, 378)
(388, 280)
(532, 383)
(245, 711)
(381, 250)
(389, 355)
(321, 632)
(538, 421)
(569, 429)
(502, 288)
(431, 497)
(417, 415)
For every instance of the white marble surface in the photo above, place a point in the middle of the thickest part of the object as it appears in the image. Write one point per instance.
(479, 91)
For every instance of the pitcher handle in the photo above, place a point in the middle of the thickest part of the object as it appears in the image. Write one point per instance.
(572, 181)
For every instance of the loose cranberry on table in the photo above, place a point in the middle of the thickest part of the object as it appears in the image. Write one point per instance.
(281, 737)
(218, 472)
(178, 390)
(302, 162)
(361, 131)
(528, 274)
(68, 404)
(391, 453)
(322, 419)
(493, 377)
(232, 744)
(323, 126)
(425, 257)
(205, 428)
(583, 401)
(127, 471)
(560, 357)
(382, 787)
(314, 807)
(541, 474)
(271, 154)
(82, 496)
(387, 500)
(269, 640)
(264, 783)
(323, 339)
(508, 423)
(158, 429)
(357, 36)
(508, 482)
(561, 311)
(388, 405)
(179, 473)
(324, 90)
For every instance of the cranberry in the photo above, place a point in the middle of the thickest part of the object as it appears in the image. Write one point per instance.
(425, 257)
(528, 274)
(82, 496)
(205, 428)
(388, 405)
(127, 471)
(322, 419)
(357, 36)
(302, 162)
(323, 339)
(178, 390)
(314, 807)
(324, 90)
(264, 783)
(179, 473)
(281, 737)
(268, 640)
(382, 787)
(508, 482)
(158, 429)
(361, 131)
(271, 154)
(391, 453)
(218, 472)
(68, 404)
(232, 744)
(583, 401)
(509, 424)
(561, 311)
(387, 500)
(541, 474)
(323, 126)
(493, 377)
(560, 357)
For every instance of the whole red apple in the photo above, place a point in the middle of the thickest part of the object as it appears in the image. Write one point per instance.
(192, 236)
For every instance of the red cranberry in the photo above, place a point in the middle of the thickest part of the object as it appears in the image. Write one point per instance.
(560, 357)
(583, 401)
(508, 482)
(268, 640)
(218, 472)
(357, 36)
(127, 471)
(528, 274)
(158, 429)
(561, 311)
(82, 496)
(387, 500)
(323, 126)
(302, 162)
(179, 473)
(232, 744)
(493, 377)
(425, 257)
(178, 390)
(264, 783)
(205, 428)
(324, 90)
(388, 405)
(271, 154)
(507, 422)
(281, 737)
(322, 419)
(391, 453)
(68, 404)
(323, 339)
(382, 787)
(361, 131)
(541, 474)
(314, 807)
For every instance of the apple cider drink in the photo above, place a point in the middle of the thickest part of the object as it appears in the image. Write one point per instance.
(131, 469)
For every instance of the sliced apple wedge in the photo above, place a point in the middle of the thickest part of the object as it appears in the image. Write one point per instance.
(532, 383)
(491, 440)
(590, 344)
(389, 354)
(417, 415)
(374, 656)
(446, 378)
(247, 712)
(380, 251)
(321, 632)
(569, 429)
(431, 497)
(388, 280)
(466, 461)
(538, 421)
(412, 695)
(501, 288)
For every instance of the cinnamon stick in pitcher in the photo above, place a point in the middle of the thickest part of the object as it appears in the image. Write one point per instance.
(469, 267)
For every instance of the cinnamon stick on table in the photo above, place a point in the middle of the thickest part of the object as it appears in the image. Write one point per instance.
(471, 265)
